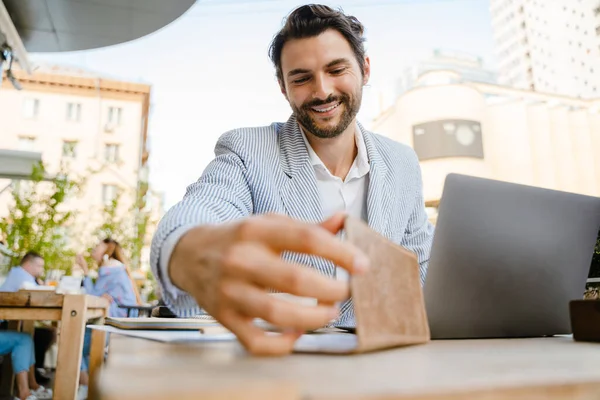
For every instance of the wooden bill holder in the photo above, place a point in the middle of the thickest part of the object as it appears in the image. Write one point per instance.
(388, 300)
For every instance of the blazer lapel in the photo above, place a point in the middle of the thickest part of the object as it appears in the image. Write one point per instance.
(299, 191)
(379, 197)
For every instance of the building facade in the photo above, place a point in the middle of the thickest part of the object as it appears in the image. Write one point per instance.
(496, 132)
(548, 46)
(97, 127)
(469, 67)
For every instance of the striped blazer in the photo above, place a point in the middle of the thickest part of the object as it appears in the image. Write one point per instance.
(267, 170)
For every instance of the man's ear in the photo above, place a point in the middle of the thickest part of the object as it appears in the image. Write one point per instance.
(282, 88)
(367, 71)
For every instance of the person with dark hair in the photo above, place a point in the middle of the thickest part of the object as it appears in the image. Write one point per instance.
(27, 275)
(114, 283)
(275, 198)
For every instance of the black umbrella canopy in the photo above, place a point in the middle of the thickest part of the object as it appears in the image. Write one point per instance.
(71, 25)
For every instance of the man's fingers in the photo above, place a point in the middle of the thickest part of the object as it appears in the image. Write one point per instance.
(301, 237)
(256, 341)
(256, 303)
(335, 223)
(257, 264)
(325, 303)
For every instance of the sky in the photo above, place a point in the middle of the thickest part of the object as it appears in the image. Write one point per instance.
(210, 71)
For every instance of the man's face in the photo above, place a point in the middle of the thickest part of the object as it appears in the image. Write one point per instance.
(36, 267)
(323, 82)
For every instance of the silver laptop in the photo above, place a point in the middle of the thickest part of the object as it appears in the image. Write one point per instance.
(507, 259)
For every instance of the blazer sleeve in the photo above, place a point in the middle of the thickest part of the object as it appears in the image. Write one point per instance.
(418, 236)
(221, 194)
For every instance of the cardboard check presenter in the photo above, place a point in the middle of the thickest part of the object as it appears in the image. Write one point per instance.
(388, 300)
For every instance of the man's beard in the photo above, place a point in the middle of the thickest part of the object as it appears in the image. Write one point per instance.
(351, 107)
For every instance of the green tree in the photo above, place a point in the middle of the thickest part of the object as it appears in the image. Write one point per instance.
(38, 219)
(128, 228)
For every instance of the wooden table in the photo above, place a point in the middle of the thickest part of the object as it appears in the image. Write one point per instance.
(73, 311)
(540, 368)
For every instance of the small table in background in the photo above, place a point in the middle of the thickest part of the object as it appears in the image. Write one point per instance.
(73, 311)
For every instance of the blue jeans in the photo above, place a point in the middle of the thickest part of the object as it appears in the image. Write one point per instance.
(20, 347)
(85, 359)
(87, 341)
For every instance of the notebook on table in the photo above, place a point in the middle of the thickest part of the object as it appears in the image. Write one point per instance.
(160, 323)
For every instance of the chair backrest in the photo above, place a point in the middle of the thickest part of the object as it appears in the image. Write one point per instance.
(138, 298)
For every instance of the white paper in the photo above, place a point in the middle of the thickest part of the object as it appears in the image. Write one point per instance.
(311, 343)
(167, 336)
(326, 343)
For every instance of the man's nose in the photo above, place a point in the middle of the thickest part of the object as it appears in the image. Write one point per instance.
(322, 87)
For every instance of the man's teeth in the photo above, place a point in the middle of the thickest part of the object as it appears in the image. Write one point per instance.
(324, 110)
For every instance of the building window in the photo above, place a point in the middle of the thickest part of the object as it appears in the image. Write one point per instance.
(31, 108)
(68, 149)
(73, 111)
(26, 143)
(111, 153)
(114, 115)
(448, 138)
(109, 194)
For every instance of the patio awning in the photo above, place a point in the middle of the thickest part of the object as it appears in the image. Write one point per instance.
(16, 164)
(71, 25)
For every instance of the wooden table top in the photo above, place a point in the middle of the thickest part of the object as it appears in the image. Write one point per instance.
(45, 299)
(487, 369)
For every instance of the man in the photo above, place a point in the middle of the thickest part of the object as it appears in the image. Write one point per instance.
(28, 274)
(284, 190)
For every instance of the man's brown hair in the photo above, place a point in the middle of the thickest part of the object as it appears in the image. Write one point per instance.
(312, 20)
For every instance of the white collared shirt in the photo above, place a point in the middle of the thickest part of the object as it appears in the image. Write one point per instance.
(348, 195)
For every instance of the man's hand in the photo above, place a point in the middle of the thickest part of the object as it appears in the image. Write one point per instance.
(229, 267)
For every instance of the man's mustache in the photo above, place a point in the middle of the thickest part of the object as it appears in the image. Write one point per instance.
(329, 99)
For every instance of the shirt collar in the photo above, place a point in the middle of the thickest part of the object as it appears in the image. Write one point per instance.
(360, 167)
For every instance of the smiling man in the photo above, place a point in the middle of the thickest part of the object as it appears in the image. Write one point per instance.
(275, 197)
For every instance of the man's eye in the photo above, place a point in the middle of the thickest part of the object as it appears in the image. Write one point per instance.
(300, 80)
(338, 71)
